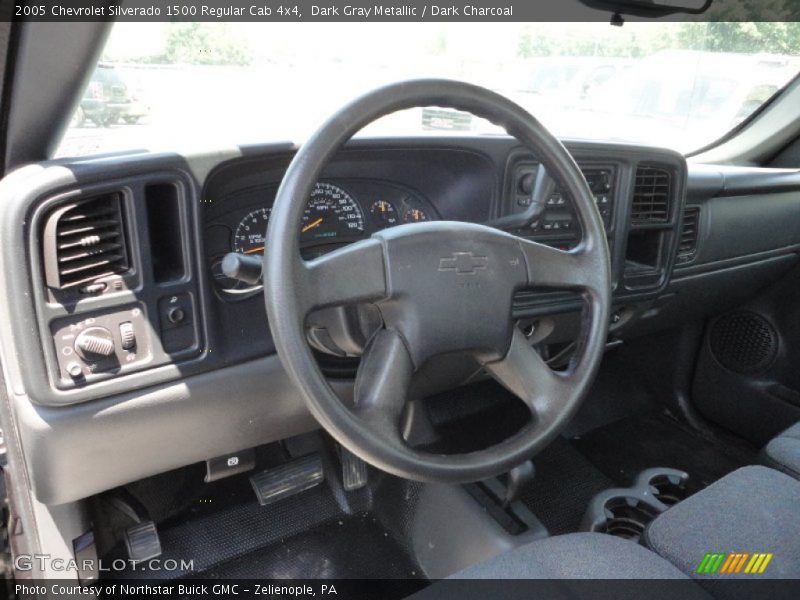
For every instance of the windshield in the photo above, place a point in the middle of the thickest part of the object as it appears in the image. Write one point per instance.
(173, 86)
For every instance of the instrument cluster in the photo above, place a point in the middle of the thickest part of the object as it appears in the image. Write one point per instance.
(337, 213)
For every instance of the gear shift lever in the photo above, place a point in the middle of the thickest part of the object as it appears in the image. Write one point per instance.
(517, 478)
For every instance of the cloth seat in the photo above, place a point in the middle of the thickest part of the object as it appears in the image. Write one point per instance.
(754, 510)
(563, 567)
(783, 452)
(575, 556)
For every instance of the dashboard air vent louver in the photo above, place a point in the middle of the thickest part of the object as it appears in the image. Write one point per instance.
(651, 195)
(85, 241)
(687, 246)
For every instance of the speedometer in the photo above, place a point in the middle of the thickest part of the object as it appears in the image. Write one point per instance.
(331, 215)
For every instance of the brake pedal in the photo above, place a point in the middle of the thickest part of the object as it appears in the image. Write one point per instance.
(354, 470)
(287, 480)
(142, 541)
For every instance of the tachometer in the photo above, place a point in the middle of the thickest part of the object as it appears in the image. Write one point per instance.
(250, 233)
(331, 214)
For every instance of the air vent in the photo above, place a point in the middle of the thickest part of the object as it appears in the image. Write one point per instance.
(687, 247)
(85, 241)
(651, 196)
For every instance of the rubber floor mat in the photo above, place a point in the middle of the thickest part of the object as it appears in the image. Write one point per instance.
(564, 484)
(318, 533)
(356, 547)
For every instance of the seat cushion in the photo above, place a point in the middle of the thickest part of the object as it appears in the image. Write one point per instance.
(562, 567)
(575, 556)
(753, 510)
(783, 451)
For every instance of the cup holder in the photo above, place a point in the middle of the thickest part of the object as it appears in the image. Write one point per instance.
(626, 512)
(626, 517)
(668, 489)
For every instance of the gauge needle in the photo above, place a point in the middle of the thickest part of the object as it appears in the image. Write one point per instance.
(312, 225)
(308, 227)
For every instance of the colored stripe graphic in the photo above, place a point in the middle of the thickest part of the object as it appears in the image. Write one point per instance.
(741, 562)
(728, 563)
(759, 563)
(763, 566)
(701, 568)
(711, 563)
(734, 562)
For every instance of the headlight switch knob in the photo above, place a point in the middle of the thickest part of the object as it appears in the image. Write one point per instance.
(94, 342)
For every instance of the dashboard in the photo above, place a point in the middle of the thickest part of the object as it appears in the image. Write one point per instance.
(123, 294)
(141, 337)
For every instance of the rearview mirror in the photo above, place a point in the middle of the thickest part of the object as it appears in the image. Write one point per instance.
(651, 8)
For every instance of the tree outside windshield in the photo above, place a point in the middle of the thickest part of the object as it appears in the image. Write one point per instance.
(192, 86)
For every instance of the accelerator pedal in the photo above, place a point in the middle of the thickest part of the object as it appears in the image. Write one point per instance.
(354, 471)
(287, 480)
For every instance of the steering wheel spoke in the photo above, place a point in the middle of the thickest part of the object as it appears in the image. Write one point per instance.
(550, 267)
(382, 383)
(347, 275)
(524, 373)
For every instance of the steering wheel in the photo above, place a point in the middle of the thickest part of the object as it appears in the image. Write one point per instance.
(440, 287)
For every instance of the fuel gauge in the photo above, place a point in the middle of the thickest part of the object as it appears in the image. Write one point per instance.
(414, 215)
(384, 213)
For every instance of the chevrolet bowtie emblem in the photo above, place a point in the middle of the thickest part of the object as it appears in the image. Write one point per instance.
(463, 263)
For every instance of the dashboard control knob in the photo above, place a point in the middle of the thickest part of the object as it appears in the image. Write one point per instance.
(74, 370)
(526, 183)
(94, 342)
(176, 315)
(127, 335)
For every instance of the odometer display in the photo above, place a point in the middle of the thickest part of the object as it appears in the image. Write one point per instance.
(330, 215)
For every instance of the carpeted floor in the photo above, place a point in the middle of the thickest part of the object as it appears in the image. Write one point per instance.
(355, 547)
(565, 482)
(624, 448)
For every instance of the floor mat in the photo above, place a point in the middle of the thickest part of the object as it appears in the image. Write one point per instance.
(621, 450)
(319, 533)
(565, 482)
(353, 548)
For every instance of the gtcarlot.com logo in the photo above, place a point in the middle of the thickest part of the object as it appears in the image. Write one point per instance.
(45, 562)
(734, 563)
